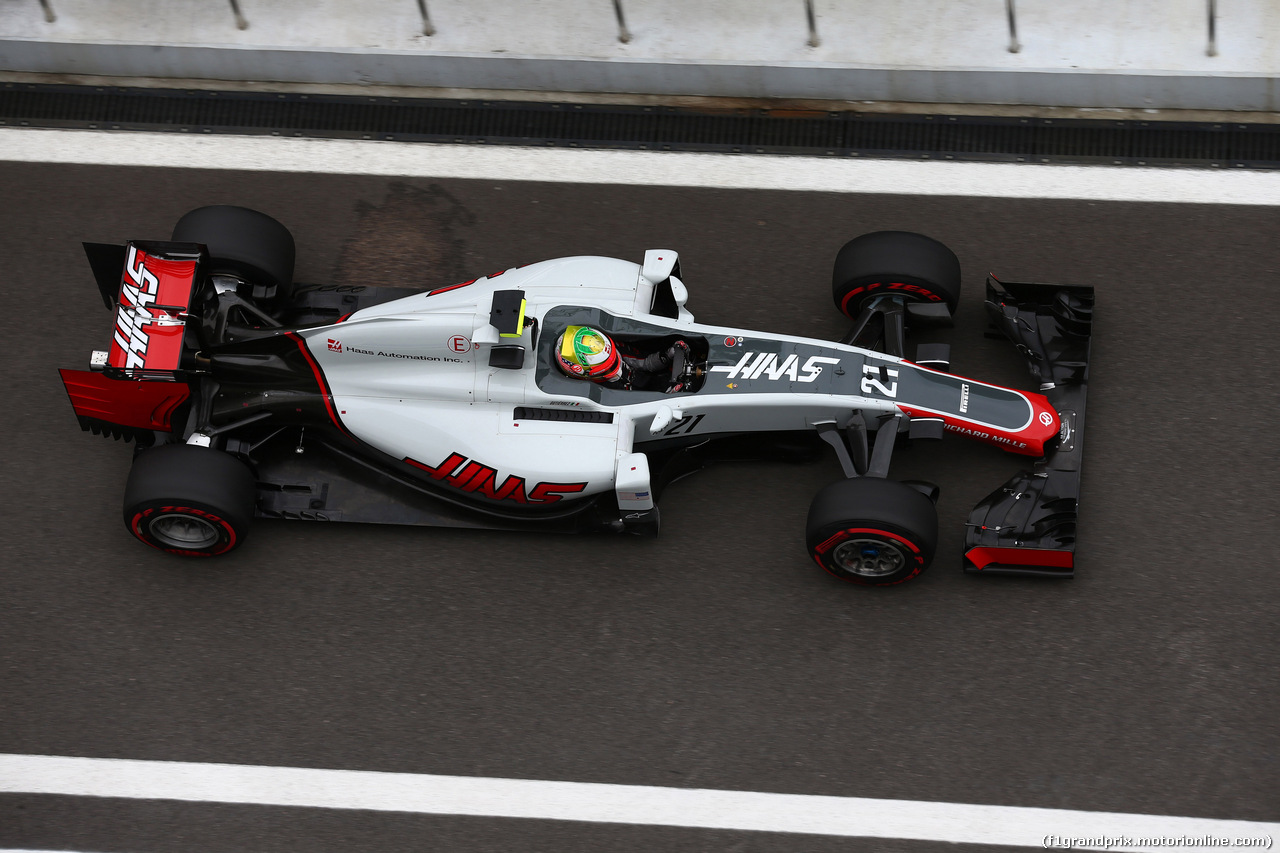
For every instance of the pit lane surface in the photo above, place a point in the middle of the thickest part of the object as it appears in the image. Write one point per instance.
(716, 656)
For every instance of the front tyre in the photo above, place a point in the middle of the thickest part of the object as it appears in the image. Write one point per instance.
(188, 500)
(895, 263)
(872, 531)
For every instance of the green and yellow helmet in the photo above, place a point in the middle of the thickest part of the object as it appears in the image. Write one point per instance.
(584, 352)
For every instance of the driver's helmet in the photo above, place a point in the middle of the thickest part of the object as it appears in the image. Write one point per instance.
(584, 352)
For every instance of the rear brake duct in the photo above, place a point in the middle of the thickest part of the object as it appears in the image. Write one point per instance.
(1028, 525)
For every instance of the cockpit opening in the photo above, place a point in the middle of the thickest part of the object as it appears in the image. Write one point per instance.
(668, 364)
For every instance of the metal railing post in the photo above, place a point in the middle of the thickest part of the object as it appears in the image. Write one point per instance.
(241, 22)
(624, 34)
(814, 41)
(49, 17)
(1213, 29)
(1012, 14)
(428, 29)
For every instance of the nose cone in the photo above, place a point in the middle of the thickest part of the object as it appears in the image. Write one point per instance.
(1044, 425)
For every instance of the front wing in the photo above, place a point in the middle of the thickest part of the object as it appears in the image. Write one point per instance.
(1028, 525)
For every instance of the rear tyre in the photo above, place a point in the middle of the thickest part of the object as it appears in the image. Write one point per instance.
(243, 243)
(896, 263)
(872, 531)
(187, 500)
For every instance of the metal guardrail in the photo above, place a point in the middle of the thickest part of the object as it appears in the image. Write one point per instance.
(810, 13)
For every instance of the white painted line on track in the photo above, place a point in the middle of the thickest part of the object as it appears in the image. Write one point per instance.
(640, 168)
(593, 803)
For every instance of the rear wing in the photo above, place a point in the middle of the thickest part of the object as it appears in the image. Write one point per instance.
(152, 297)
(137, 388)
(1028, 526)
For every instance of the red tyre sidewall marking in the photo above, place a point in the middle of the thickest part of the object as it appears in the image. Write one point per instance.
(841, 535)
(866, 289)
(143, 533)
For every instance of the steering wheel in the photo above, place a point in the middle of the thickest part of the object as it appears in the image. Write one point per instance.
(679, 364)
(685, 371)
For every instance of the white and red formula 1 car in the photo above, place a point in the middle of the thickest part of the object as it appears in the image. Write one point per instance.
(249, 395)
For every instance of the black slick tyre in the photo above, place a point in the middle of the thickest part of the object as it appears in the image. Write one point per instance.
(872, 531)
(243, 243)
(895, 263)
(188, 500)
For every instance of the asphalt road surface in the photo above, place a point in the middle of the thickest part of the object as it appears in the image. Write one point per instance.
(717, 656)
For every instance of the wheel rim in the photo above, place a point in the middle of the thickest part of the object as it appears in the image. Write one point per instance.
(188, 532)
(869, 558)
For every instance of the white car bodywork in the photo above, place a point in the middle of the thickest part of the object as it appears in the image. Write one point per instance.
(412, 378)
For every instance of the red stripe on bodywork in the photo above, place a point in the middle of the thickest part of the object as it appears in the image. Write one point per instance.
(325, 393)
(451, 287)
(983, 557)
(125, 402)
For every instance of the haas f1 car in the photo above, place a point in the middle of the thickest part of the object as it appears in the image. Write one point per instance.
(468, 404)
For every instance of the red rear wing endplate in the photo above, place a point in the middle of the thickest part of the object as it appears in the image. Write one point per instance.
(122, 407)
